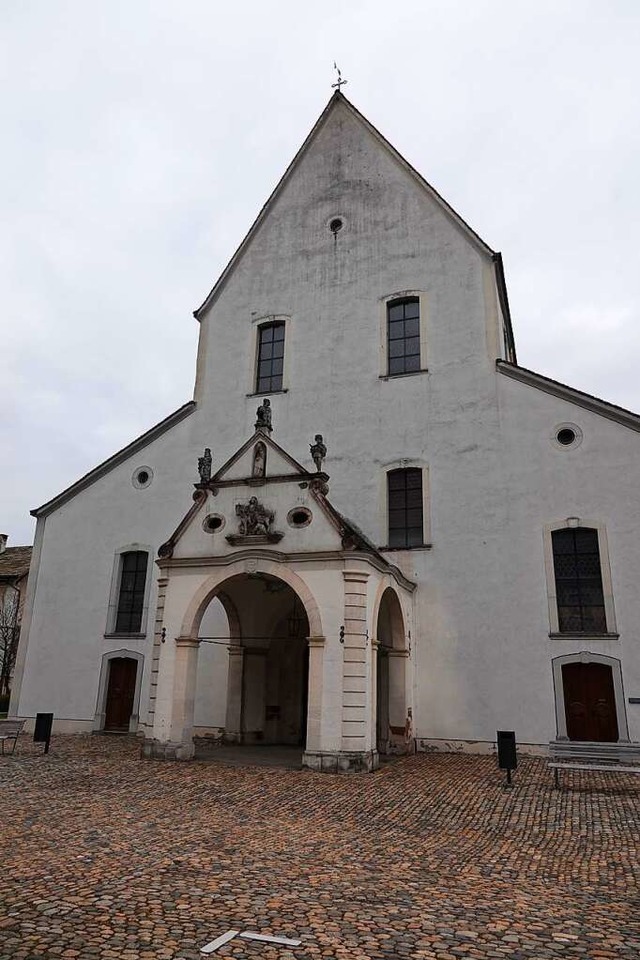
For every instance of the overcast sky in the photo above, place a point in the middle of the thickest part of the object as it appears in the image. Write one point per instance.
(140, 139)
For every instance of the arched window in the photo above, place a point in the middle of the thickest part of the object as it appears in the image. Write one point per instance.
(404, 499)
(578, 580)
(270, 357)
(403, 335)
(131, 591)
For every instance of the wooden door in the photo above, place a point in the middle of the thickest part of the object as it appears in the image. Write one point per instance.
(121, 689)
(589, 701)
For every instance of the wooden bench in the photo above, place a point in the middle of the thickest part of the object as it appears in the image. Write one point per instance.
(10, 730)
(591, 755)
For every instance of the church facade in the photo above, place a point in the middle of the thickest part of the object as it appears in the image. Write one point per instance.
(371, 530)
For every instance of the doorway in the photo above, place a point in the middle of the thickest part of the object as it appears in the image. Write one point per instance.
(589, 702)
(121, 688)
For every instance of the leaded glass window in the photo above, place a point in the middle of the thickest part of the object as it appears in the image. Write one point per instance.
(403, 335)
(270, 357)
(404, 489)
(133, 576)
(576, 564)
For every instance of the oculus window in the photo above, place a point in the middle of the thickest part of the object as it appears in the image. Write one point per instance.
(133, 577)
(403, 336)
(270, 357)
(404, 498)
(578, 578)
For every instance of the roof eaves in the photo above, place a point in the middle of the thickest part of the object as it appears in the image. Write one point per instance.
(564, 392)
(263, 212)
(103, 468)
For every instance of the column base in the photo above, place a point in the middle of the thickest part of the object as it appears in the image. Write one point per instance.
(158, 750)
(341, 761)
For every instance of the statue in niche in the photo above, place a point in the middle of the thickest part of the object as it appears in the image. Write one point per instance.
(204, 465)
(255, 519)
(263, 416)
(318, 451)
(259, 460)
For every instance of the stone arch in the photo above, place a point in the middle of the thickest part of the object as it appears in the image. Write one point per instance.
(393, 717)
(211, 588)
(387, 595)
(584, 656)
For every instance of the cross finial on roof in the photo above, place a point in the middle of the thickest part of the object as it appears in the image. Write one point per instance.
(340, 82)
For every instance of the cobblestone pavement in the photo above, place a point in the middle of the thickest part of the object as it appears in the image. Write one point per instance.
(108, 857)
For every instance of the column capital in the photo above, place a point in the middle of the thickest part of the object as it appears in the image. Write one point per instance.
(355, 576)
(187, 642)
(316, 641)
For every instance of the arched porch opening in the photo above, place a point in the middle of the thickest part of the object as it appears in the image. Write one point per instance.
(267, 662)
(393, 733)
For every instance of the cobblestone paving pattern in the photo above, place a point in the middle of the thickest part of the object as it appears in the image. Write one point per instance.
(109, 857)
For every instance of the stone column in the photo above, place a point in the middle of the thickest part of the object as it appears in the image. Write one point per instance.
(155, 656)
(398, 715)
(358, 739)
(315, 690)
(184, 694)
(375, 646)
(233, 722)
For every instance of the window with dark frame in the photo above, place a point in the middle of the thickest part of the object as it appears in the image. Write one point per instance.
(133, 577)
(270, 357)
(404, 498)
(403, 336)
(578, 576)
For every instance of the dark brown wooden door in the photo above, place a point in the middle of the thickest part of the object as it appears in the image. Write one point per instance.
(120, 693)
(589, 702)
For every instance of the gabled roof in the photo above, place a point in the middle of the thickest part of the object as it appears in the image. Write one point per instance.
(15, 562)
(107, 465)
(578, 397)
(339, 98)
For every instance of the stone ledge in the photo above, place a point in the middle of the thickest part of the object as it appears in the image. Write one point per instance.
(365, 761)
(157, 750)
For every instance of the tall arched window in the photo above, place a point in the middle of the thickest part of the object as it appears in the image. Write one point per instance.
(270, 357)
(131, 592)
(578, 580)
(404, 499)
(403, 335)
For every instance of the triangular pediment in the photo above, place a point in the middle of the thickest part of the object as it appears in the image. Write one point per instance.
(259, 459)
(261, 499)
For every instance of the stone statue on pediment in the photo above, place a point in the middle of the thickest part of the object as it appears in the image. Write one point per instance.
(318, 451)
(255, 519)
(259, 460)
(263, 416)
(204, 465)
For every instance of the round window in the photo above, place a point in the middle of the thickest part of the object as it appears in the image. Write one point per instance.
(213, 523)
(142, 477)
(566, 435)
(299, 517)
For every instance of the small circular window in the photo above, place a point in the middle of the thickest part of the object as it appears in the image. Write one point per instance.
(567, 435)
(336, 224)
(299, 517)
(142, 477)
(213, 523)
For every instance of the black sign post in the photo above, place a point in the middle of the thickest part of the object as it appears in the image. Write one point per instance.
(507, 756)
(42, 732)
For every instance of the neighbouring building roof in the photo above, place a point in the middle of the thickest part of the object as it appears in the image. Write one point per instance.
(14, 562)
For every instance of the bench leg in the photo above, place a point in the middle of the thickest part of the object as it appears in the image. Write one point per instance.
(556, 778)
